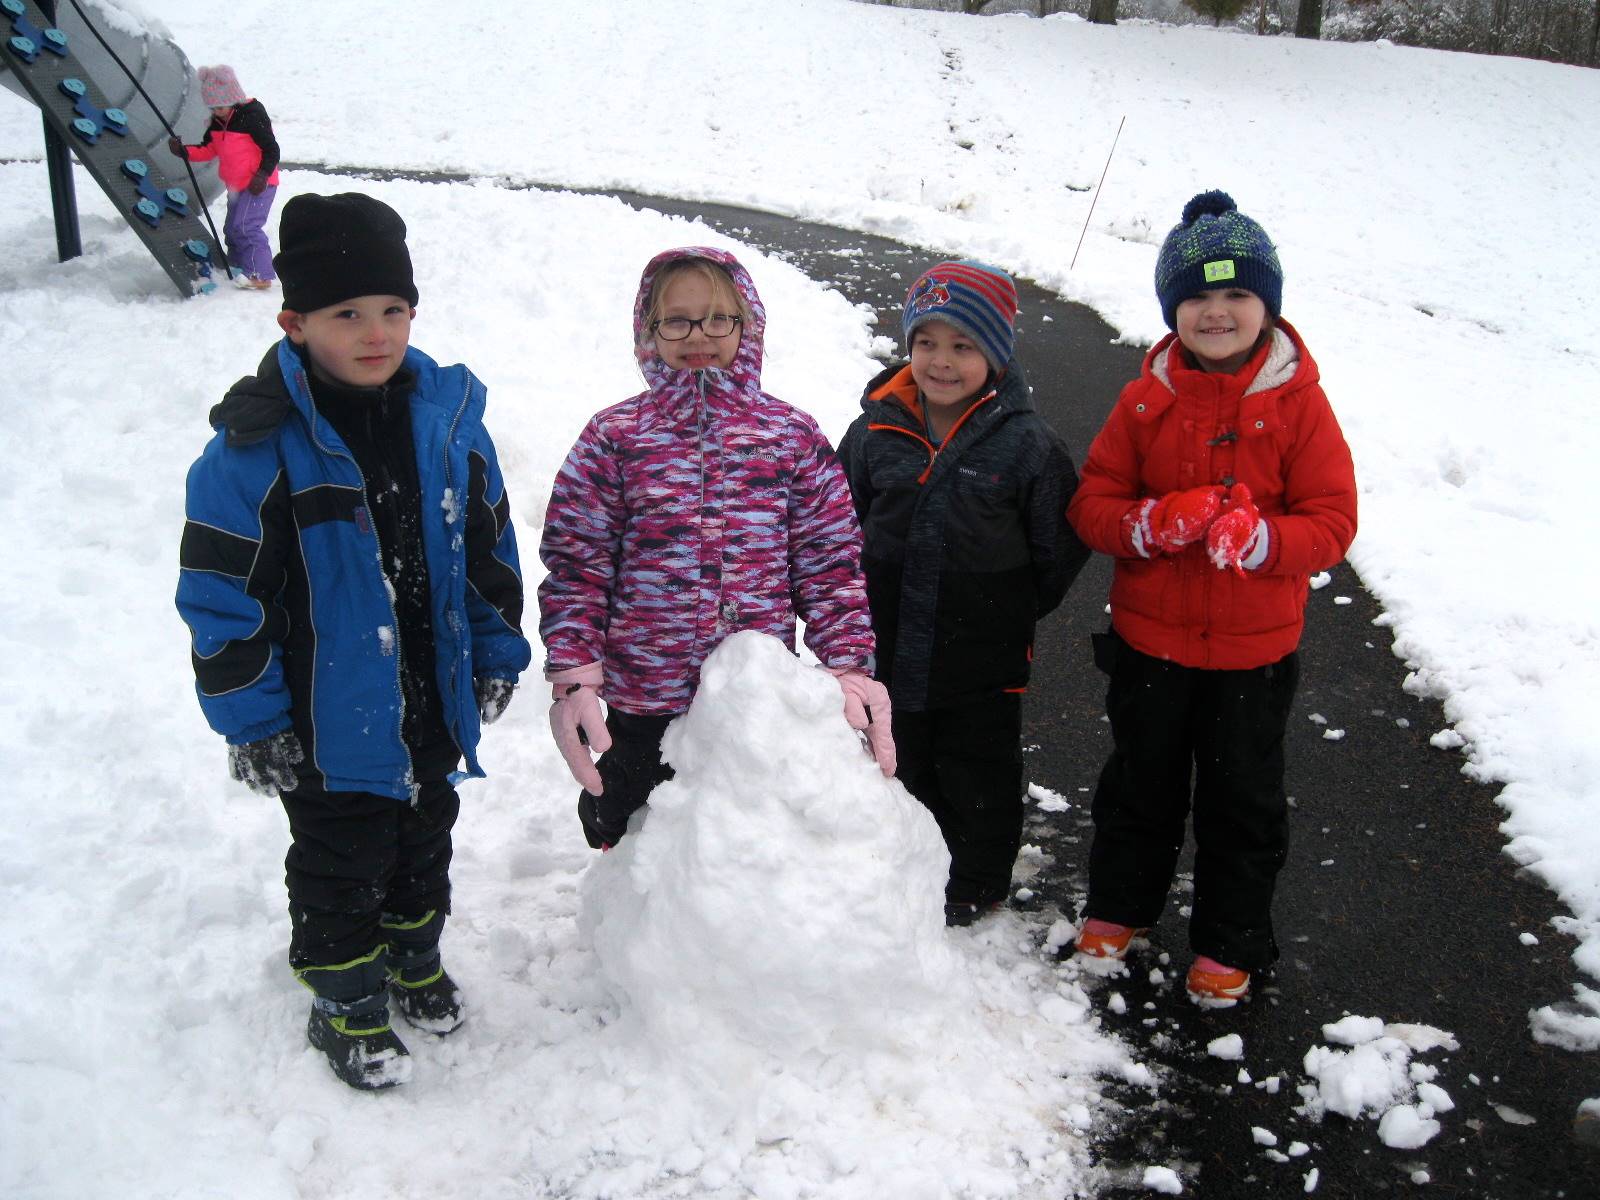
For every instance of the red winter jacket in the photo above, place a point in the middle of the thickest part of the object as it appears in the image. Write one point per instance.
(1268, 426)
(242, 146)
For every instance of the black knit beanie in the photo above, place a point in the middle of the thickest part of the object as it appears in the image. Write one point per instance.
(334, 248)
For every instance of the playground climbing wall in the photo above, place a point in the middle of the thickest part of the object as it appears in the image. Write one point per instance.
(88, 99)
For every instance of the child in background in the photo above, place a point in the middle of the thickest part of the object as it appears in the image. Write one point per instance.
(240, 139)
(697, 508)
(1219, 482)
(350, 579)
(961, 489)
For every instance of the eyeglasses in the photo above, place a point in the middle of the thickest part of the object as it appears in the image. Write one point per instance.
(675, 329)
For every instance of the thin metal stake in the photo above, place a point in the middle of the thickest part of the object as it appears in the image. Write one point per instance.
(1096, 195)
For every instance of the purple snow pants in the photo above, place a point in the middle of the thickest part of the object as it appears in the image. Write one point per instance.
(245, 229)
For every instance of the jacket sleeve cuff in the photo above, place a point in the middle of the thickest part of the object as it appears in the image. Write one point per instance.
(261, 729)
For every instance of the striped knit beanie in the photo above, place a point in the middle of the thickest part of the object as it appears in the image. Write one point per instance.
(977, 299)
(1216, 246)
(219, 87)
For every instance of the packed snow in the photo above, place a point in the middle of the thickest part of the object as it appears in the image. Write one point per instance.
(1434, 214)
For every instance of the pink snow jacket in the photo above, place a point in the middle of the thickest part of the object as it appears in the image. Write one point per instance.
(243, 145)
(695, 509)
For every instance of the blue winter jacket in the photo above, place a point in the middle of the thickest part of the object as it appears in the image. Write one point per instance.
(291, 616)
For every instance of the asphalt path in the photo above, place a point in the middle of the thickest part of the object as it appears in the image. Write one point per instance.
(1397, 902)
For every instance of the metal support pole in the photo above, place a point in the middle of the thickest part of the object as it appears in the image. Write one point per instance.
(63, 196)
(58, 161)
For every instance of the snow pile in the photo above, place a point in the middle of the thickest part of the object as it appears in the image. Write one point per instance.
(1570, 1024)
(772, 933)
(1376, 1078)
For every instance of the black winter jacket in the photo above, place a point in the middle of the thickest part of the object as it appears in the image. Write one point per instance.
(966, 545)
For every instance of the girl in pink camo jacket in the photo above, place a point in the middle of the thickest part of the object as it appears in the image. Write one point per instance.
(699, 507)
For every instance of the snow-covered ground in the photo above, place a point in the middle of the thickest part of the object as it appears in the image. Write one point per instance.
(1435, 216)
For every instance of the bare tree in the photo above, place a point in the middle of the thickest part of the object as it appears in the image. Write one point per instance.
(1308, 21)
(1594, 37)
(1218, 10)
(1104, 12)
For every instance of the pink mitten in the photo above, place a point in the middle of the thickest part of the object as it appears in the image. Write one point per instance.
(575, 717)
(1180, 518)
(866, 708)
(1237, 538)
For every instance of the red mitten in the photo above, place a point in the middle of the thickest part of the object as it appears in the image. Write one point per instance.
(1239, 535)
(1180, 518)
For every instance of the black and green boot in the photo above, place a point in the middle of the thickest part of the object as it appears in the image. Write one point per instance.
(422, 990)
(350, 1023)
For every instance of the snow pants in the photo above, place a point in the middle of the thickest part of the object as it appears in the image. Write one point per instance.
(965, 765)
(629, 772)
(1225, 730)
(366, 873)
(245, 229)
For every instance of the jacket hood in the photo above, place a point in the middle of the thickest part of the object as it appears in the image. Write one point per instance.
(255, 405)
(744, 374)
(1281, 360)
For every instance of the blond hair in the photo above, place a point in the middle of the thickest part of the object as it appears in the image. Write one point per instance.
(724, 292)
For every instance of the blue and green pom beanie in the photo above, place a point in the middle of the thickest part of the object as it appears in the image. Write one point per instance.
(1216, 246)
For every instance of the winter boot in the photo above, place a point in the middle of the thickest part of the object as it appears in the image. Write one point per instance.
(961, 913)
(1212, 985)
(422, 990)
(1106, 939)
(350, 1023)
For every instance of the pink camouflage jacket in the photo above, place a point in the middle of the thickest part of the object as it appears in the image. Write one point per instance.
(695, 509)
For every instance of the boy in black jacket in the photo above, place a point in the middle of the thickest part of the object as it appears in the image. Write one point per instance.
(961, 489)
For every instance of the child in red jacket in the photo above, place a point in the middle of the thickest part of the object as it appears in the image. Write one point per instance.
(240, 139)
(1219, 482)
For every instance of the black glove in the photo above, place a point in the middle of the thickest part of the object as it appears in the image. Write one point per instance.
(267, 766)
(492, 695)
(176, 147)
(257, 184)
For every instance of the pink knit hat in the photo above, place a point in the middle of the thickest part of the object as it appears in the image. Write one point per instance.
(219, 87)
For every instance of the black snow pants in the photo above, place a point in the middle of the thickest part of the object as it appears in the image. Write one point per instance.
(965, 765)
(366, 874)
(629, 772)
(1225, 730)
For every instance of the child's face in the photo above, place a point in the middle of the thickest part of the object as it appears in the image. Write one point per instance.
(690, 296)
(1220, 327)
(947, 364)
(358, 342)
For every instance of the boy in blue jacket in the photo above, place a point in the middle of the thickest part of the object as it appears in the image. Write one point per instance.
(350, 580)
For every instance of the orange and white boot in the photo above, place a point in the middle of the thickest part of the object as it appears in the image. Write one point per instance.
(1212, 985)
(1106, 940)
